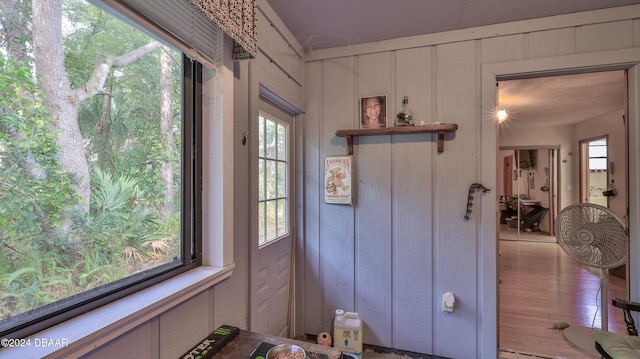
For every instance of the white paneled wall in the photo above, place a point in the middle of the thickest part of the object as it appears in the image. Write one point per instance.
(403, 243)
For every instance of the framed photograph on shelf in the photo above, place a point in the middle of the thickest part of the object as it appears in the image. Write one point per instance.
(373, 111)
(337, 180)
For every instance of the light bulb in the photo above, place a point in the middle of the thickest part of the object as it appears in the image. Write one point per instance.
(502, 115)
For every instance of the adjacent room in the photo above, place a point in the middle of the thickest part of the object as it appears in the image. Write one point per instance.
(557, 128)
(404, 179)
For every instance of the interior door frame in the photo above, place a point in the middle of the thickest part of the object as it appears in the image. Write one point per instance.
(628, 59)
(280, 252)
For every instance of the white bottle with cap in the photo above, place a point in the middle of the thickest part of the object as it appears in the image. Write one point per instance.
(347, 332)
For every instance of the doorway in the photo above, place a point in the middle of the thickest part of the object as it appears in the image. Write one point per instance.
(558, 132)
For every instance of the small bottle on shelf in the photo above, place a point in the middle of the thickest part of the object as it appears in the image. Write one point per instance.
(405, 117)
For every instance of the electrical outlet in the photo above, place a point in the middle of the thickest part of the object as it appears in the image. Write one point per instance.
(448, 302)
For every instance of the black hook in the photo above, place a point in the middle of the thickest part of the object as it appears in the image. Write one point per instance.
(474, 187)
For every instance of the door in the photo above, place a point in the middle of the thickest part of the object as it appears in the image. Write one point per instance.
(273, 232)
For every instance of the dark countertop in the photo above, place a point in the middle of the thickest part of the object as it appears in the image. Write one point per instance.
(243, 345)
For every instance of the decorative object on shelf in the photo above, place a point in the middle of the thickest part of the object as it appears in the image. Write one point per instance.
(441, 129)
(474, 187)
(337, 180)
(373, 111)
(405, 117)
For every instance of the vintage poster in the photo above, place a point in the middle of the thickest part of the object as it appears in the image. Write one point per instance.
(337, 180)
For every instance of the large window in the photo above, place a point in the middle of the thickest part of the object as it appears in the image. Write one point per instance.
(273, 169)
(99, 124)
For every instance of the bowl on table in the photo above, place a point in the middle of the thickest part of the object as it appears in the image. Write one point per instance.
(289, 351)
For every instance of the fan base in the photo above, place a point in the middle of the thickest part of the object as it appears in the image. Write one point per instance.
(581, 338)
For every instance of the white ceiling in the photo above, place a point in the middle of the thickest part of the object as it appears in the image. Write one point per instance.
(319, 24)
(563, 100)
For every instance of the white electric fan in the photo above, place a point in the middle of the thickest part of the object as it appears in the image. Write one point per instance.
(594, 236)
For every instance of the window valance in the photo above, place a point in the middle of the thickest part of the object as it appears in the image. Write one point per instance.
(237, 18)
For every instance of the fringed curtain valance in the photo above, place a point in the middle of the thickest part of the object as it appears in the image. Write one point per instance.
(237, 18)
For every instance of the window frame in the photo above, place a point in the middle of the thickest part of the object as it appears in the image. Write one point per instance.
(591, 146)
(191, 221)
(287, 191)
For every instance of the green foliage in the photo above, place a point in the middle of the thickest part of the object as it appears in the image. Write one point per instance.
(117, 220)
(123, 232)
(30, 206)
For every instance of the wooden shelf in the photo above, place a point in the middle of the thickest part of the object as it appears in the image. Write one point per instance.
(399, 130)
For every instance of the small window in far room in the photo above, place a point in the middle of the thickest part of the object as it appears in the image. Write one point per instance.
(273, 186)
(598, 155)
(594, 166)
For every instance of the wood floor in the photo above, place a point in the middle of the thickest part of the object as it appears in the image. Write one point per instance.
(541, 285)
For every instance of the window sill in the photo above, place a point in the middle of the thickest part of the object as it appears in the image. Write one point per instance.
(89, 331)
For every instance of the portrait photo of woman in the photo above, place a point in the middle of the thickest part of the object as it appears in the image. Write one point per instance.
(373, 112)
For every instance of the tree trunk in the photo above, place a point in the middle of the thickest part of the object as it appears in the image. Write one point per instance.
(64, 102)
(105, 131)
(166, 130)
(52, 79)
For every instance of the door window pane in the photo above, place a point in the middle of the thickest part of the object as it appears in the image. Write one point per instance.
(273, 171)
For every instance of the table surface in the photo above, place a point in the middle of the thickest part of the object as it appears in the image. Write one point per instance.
(246, 342)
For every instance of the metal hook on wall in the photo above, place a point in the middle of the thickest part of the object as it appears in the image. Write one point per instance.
(474, 187)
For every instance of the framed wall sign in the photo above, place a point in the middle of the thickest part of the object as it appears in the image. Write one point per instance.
(373, 111)
(337, 180)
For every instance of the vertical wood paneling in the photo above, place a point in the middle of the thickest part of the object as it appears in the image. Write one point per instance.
(373, 209)
(310, 279)
(141, 342)
(373, 238)
(281, 65)
(183, 326)
(455, 257)
(504, 48)
(412, 272)
(606, 36)
(336, 220)
(554, 42)
(278, 48)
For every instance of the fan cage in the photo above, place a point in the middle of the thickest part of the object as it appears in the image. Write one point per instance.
(592, 235)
